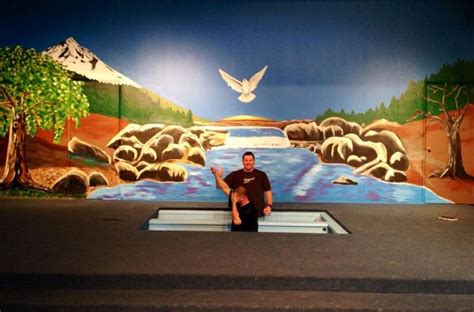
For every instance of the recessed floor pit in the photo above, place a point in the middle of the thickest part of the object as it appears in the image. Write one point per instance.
(212, 220)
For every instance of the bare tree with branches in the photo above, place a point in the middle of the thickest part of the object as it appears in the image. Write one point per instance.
(451, 123)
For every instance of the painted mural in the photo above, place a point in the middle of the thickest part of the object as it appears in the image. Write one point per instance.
(340, 102)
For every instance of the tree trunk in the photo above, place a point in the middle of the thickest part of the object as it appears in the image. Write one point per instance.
(454, 168)
(16, 170)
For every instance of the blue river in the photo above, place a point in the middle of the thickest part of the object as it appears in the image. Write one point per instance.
(296, 175)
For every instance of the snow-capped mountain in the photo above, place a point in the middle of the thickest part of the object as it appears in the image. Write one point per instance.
(80, 60)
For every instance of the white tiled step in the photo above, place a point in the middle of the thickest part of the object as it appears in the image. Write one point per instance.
(220, 220)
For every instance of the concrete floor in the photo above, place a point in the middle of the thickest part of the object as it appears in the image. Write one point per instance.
(403, 253)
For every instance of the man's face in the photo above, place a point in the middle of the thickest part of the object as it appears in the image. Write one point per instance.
(248, 162)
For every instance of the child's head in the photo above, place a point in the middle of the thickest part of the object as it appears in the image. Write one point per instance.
(241, 190)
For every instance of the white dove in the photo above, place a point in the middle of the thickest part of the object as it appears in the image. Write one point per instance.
(246, 86)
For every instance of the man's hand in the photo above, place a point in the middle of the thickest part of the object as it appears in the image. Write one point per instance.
(217, 171)
(267, 210)
(213, 170)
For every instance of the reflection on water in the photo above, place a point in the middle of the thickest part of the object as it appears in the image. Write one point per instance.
(295, 173)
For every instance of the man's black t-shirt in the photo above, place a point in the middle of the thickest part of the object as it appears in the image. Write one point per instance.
(256, 183)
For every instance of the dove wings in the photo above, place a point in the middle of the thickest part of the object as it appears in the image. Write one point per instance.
(245, 87)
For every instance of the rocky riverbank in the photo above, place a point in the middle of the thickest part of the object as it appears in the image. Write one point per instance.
(48, 161)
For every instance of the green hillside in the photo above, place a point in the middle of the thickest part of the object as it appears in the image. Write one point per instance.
(137, 105)
(403, 109)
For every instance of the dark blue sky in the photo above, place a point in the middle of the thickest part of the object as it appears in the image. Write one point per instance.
(341, 54)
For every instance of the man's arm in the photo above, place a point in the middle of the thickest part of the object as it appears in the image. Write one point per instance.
(269, 200)
(220, 183)
(235, 213)
(268, 195)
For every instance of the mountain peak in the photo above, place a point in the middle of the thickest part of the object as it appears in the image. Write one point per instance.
(82, 61)
(71, 41)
